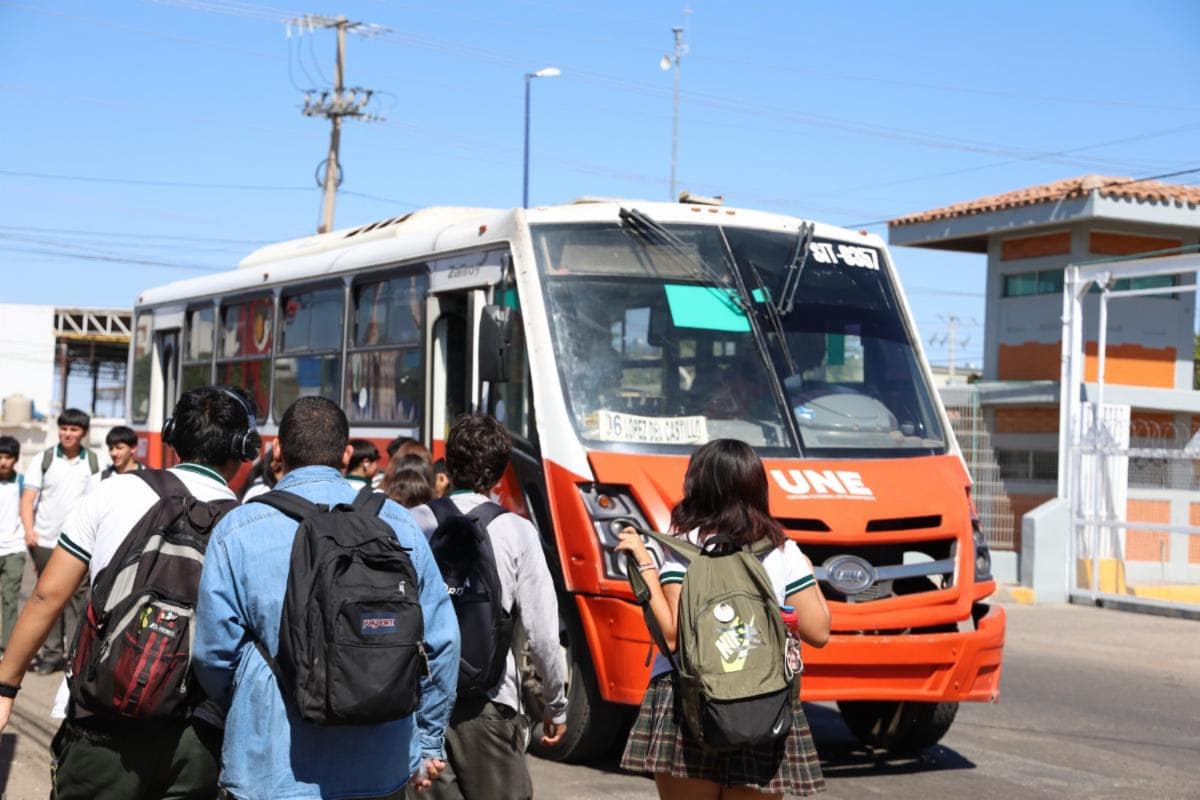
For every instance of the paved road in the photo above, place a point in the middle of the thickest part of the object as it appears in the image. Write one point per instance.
(1096, 704)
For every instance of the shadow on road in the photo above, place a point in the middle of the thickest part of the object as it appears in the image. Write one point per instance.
(8, 751)
(843, 756)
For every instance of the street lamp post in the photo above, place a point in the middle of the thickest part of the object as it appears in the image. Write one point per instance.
(546, 72)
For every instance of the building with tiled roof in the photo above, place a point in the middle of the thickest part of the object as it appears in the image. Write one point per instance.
(1029, 236)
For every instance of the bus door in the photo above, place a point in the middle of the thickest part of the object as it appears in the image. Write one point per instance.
(166, 346)
(452, 385)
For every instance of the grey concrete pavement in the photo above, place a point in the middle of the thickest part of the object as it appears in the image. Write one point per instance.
(1095, 703)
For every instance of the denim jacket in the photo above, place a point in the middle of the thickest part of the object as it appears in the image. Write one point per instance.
(269, 753)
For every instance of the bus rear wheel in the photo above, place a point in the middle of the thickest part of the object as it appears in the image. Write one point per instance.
(594, 726)
(903, 728)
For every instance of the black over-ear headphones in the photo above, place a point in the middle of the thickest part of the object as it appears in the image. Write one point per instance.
(244, 445)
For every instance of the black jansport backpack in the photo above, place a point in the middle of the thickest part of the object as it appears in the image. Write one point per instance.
(133, 650)
(464, 554)
(351, 635)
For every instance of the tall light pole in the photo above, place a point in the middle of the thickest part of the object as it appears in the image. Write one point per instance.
(665, 63)
(545, 72)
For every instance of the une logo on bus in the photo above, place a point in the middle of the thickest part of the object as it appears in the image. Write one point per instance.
(802, 484)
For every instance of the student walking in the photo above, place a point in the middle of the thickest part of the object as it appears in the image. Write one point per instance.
(122, 451)
(12, 537)
(270, 752)
(409, 481)
(54, 485)
(724, 494)
(100, 754)
(486, 740)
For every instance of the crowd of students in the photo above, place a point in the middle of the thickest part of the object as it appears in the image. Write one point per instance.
(242, 738)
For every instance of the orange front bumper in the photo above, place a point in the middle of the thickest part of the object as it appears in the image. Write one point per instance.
(930, 667)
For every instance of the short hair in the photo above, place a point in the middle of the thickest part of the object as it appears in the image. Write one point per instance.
(73, 416)
(439, 468)
(206, 421)
(9, 446)
(121, 434)
(364, 450)
(478, 450)
(314, 432)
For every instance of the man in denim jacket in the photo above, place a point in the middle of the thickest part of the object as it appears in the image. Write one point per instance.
(269, 753)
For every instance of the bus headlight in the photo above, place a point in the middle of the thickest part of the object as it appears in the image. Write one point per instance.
(983, 554)
(612, 509)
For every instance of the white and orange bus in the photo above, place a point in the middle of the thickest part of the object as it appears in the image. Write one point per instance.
(611, 338)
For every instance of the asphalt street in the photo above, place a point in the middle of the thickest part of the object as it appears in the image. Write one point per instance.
(1095, 703)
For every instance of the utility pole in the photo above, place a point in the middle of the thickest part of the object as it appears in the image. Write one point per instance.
(336, 103)
(669, 61)
(950, 339)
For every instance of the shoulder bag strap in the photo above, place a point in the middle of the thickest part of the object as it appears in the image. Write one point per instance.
(369, 501)
(443, 508)
(681, 547)
(485, 513)
(164, 483)
(285, 502)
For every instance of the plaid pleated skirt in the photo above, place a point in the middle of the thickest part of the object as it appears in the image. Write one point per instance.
(659, 742)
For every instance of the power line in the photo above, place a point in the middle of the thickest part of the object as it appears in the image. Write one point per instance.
(142, 182)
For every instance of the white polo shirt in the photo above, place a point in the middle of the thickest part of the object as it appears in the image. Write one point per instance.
(97, 527)
(60, 489)
(12, 535)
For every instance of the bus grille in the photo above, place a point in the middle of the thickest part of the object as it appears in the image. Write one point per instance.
(865, 573)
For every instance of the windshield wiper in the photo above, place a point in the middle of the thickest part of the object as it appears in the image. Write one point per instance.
(777, 389)
(647, 227)
(795, 268)
(773, 315)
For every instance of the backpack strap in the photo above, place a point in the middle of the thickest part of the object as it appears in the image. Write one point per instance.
(285, 502)
(681, 547)
(761, 547)
(93, 462)
(485, 513)
(164, 483)
(47, 458)
(443, 508)
(368, 501)
(641, 593)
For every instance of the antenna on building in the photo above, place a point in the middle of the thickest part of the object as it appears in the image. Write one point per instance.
(950, 338)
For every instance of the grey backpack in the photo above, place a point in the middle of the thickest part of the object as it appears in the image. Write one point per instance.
(732, 679)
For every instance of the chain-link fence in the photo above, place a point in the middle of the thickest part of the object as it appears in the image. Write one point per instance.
(991, 500)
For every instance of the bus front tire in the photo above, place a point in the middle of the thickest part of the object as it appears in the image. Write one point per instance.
(903, 728)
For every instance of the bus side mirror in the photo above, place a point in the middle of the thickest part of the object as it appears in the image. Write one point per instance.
(495, 343)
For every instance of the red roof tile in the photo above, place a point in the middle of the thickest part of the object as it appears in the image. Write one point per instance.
(1067, 189)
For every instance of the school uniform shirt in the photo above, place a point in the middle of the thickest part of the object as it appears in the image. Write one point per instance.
(526, 583)
(357, 482)
(101, 522)
(12, 534)
(786, 566)
(60, 489)
(110, 471)
(256, 488)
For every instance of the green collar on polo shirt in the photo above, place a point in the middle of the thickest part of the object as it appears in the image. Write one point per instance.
(364, 480)
(60, 453)
(462, 491)
(200, 469)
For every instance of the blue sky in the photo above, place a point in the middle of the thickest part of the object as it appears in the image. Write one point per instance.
(850, 113)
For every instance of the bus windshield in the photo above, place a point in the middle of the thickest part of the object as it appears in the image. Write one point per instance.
(657, 349)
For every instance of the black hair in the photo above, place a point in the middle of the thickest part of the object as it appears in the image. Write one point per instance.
(477, 451)
(397, 443)
(439, 468)
(409, 481)
(9, 446)
(121, 435)
(364, 450)
(725, 491)
(206, 421)
(314, 432)
(73, 416)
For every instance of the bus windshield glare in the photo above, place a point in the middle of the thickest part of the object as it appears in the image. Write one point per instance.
(657, 348)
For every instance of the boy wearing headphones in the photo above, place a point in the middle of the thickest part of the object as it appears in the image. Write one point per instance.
(212, 431)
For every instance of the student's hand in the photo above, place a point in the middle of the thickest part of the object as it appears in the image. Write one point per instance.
(427, 773)
(6, 705)
(31, 538)
(630, 541)
(553, 732)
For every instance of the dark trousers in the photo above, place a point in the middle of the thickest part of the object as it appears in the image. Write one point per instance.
(62, 632)
(485, 756)
(175, 761)
(12, 569)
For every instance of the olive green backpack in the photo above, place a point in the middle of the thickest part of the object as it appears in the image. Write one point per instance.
(732, 680)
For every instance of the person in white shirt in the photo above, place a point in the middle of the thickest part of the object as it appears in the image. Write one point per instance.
(265, 475)
(12, 537)
(92, 759)
(54, 485)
